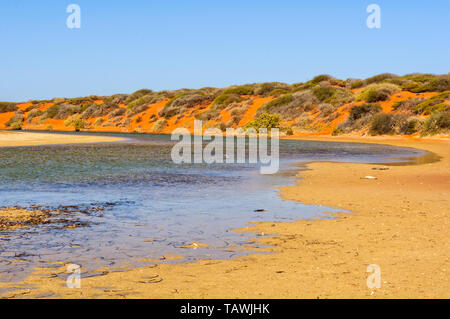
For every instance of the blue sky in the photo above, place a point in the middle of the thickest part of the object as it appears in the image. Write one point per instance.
(123, 46)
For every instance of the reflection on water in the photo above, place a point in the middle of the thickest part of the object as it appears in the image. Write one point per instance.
(150, 206)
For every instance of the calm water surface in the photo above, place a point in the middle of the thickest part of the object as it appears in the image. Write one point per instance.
(144, 206)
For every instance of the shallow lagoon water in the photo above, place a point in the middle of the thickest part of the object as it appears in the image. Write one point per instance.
(150, 206)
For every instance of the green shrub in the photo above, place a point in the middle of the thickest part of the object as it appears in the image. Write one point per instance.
(225, 99)
(265, 120)
(31, 107)
(359, 111)
(323, 92)
(437, 123)
(136, 95)
(183, 103)
(33, 113)
(428, 83)
(278, 92)
(97, 110)
(291, 106)
(408, 106)
(76, 121)
(7, 107)
(411, 126)
(117, 112)
(159, 125)
(51, 112)
(380, 78)
(434, 104)
(116, 99)
(271, 88)
(222, 127)
(355, 83)
(382, 123)
(289, 131)
(321, 78)
(337, 131)
(240, 90)
(99, 121)
(377, 92)
(220, 102)
(66, 110)
(278, 102)
(16, 125)
(326, 109)
(304, 122)
(17, 117)
(59, 100)
(146, 99)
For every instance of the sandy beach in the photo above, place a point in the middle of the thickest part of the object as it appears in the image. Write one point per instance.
(398, 221)
(14, 138)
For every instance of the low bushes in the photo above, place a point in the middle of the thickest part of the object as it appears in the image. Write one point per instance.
(182, 103)
(359, 117)
(380, 78)
(159, 125)
(407, 106)
(355, 83)
(434, 104)
(99, 121)
(428, 83)
(240, 90)
(326, 109)
(117, 112)
(33, 114)
(411, 126)
(271, 89)
(116, 99)
(61, 111)
(76, 121)
(377, 92)
(265, 120)
(97, 110)
(51, 112)
(437, 123)
(332, 95)
(291, 106)
(7, 107)
(382, 123)
(16, 121)
(141, 104)
(225, 99)
(220, 102)
(136, 95)
(360, 111)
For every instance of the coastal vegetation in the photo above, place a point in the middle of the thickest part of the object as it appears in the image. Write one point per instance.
(382, 104)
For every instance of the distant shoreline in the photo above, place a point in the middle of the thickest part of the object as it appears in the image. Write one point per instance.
(22, 138)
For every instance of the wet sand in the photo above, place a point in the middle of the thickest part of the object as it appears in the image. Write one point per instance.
(14, 138)
(399, 221)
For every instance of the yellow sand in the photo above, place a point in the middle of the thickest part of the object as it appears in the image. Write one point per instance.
(399, 221)
(14, 138)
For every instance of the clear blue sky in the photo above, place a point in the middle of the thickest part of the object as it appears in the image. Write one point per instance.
(123, 46)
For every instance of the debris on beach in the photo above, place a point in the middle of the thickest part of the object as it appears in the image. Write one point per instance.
(260, 210)
(194, 245)
(380, 168)
(369, 177)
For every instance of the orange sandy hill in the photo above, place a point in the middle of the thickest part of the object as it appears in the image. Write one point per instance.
(382, 104)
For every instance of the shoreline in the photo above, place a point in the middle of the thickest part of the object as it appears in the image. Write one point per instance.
(394, 222)
(24, 138)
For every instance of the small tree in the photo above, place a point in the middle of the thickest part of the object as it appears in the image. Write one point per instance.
(265, 120)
